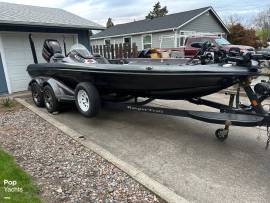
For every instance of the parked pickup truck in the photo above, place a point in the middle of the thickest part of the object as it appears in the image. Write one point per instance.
(218, 42)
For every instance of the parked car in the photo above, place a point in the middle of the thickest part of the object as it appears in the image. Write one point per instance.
(264, 50)
(217, 41)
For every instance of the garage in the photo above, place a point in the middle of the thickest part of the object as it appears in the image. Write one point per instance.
(43, 23)
(17, 54)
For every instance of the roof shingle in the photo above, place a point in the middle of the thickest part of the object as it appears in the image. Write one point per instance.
(19, 14)
(161, 23)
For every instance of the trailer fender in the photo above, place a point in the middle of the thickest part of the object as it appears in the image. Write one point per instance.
(61, 91)
(39, 80)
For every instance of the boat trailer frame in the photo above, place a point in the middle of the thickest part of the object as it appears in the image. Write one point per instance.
(251, 116)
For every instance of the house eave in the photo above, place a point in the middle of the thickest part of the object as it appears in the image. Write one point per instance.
(49, 25)
(135, 33)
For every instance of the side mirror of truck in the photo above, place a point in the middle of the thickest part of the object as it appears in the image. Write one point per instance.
(196, 45)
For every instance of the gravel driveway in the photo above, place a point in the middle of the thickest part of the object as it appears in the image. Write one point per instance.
(64, 170)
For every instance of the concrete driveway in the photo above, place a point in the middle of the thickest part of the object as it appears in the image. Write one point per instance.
(183, 154)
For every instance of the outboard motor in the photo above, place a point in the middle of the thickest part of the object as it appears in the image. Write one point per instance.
(52, 51)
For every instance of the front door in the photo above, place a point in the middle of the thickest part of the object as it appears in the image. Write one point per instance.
(3, 83)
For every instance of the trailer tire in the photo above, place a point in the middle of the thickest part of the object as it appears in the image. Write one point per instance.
(50, 100)
(87, 99)
(37, 94)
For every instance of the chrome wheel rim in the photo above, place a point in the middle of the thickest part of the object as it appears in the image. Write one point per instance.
(48, 99)
(83, 100)
(35, 94)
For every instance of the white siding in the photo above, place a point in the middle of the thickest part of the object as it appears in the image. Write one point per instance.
(94, 42)
(117, 40)
(166, 42)
(138, 40)
(18, 54)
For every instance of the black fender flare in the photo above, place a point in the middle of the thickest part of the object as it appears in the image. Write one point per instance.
(61, 91)
(39, 80)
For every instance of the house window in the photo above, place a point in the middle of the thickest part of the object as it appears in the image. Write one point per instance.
(147, 41)
(181, 41)
(127, 40)
(182, 37)
(107, 42)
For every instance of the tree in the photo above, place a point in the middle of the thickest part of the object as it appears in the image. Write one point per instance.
(262, 19)
(262, 22)
(109, 23)
(233, 20)
(241, 35)
(157, 11)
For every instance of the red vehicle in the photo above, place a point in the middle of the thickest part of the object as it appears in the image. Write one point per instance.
(218, 42)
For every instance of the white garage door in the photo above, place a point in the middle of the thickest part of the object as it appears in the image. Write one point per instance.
(18, 54)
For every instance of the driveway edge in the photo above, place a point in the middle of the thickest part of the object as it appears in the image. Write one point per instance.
(162, 191)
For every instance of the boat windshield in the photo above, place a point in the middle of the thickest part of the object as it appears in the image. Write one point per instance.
(221, 41)
(82, 50)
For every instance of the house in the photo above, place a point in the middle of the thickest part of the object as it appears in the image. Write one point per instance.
(17, 21)
(169, 31)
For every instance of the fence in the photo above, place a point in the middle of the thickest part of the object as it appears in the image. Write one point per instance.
(114, 51)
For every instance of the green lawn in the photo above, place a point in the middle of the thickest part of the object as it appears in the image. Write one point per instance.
(20, 182)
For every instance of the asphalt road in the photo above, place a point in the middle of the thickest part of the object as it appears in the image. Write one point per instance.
(182, 153)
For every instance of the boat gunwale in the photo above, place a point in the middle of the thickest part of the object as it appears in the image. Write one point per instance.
(244, 71)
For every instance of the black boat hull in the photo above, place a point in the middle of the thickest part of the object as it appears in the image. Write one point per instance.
(158, 84)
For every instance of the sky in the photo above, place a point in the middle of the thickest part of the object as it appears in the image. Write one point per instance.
(122, 11)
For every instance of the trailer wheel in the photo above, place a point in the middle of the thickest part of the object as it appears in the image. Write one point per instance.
(222, 134)
(50, 100)
(87, 99)
(37, 94)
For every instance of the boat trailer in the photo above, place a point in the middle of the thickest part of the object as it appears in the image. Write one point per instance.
(236, 115)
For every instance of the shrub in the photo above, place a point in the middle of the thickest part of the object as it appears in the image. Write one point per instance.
(7, 102)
